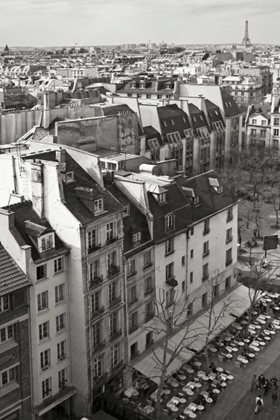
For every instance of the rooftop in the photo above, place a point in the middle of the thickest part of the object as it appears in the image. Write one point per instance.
(11, 276)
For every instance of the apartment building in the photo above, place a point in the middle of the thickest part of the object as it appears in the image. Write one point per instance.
(45, 263)
(89, 220)
(246, 90)
(258, 129)
(15, 371)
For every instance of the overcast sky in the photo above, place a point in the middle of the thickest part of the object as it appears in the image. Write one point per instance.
(101, 22)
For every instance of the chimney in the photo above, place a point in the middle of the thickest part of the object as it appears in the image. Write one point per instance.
(37, 183)
(7, 217)
(60, 155)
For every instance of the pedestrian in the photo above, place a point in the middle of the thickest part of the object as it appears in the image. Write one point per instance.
(274, 398)
(261, 381)
(254, 382)
(266, 387)
(258, 404)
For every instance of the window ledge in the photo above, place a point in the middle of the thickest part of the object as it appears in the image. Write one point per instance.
(8, 388)
(58, 272)
(169, 253)
(44, 340)
(8, 346)
(60, 303)
(229, 240)
(43, 311)
(205, 254)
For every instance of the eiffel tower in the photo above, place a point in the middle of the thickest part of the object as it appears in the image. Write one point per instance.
(246, 40)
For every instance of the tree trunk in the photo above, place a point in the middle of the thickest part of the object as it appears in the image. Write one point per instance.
(277, 218)
(158, 406)
(206, 353)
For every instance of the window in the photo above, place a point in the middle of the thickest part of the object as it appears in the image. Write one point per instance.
(110, 231)
(60, 322)
(264, 122)
(191, 277)
(276, 132)
(276, 121)
(47, 242)
(162, 198)
(172, 122)
(111, 261)
(4, 303)
(92, 238)
(136, 239)
(148, 285)
(192, 230)
(169, 246)
(206, 248)
(228, 256)
(253, 132)
(191, 253)
(184, 120)
(174, 138)
(58, 265)
(46, 388)
(61, 350)
(60, 293)
(229, 235)
(133, 350)
(131, 267)
(44, 330)
(43, 301)
(169, 222)
(206, 226)
(170, 294)
(94, 270)
(228, 282)
(183, 260)
(97, 367)
(112, 288)
(149, 96)
(204, 299)
(41, 272)
(96, 334)
(183, 286)
(133, 322)
(98, 206)
(188, 133)
(114, 355)
(6, 334)
(149, 311)
(159, 96)
(127, 210)
(132, 294)
(216, 290)
(69, 177)
(190, 309)
(7, 376)
(205, 273)
(95, 302)
(45, 359)
(169, 270)
(149, 339)
(262, 133)
(62, 378)
(147, 259)
(229, 214)
(113, 323)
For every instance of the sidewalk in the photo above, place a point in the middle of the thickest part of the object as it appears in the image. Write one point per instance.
(237, 401)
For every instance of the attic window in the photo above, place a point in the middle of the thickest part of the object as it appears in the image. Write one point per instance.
(184, 119)
(127, 210)
(136, 239)
(172, 122)
(174, 137)
(69, 177)
(196, 200)
(162, 198)
(216, 112)
(47, 242)
(165, 123)
(194, 119)
(201, 117)
(188, 133)
(98, 206)
(214, 182)
(229, 103)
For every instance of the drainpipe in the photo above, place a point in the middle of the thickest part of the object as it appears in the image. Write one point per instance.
(14, 175)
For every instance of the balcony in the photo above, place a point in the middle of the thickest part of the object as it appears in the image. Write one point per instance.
(148, 317)
(147, 266)
(98, 312)
(171, 281)
(99, 346)
(93, 248)
(95, 281)
(229, 239)
(148, 291)
(206, 231)
(133, 356)
(111, 240)
(132, 301)
(117, 366)
(115, 301)
(206, 253)
(115, 335)
(228, 261)
(113, 271)
(132, 274)
(133, 328)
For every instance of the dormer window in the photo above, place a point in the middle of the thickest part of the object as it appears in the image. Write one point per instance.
(98, 206)
(196, 200)
(47, 242)
(136, 239)
(162, 198)
(133, 85)
(184, 120)
(127, 210)
(188, 133)
(169, 222)
(69, 177)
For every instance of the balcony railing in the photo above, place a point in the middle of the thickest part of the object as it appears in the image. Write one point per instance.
(113, 271)
(171, 281)
(95, 281)
(93, 248)
(98, 312)
(133, 328)
(115, 301)
(228, 261)
(111, 240)
(117, 366)
(115, 334)
(132, 301)
(98, 346)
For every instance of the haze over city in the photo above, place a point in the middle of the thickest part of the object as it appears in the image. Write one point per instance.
(97, 22)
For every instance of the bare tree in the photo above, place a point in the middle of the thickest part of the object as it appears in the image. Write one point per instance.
(215, 312)
(171, 315)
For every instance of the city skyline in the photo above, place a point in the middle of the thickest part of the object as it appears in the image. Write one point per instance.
(65, 22)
